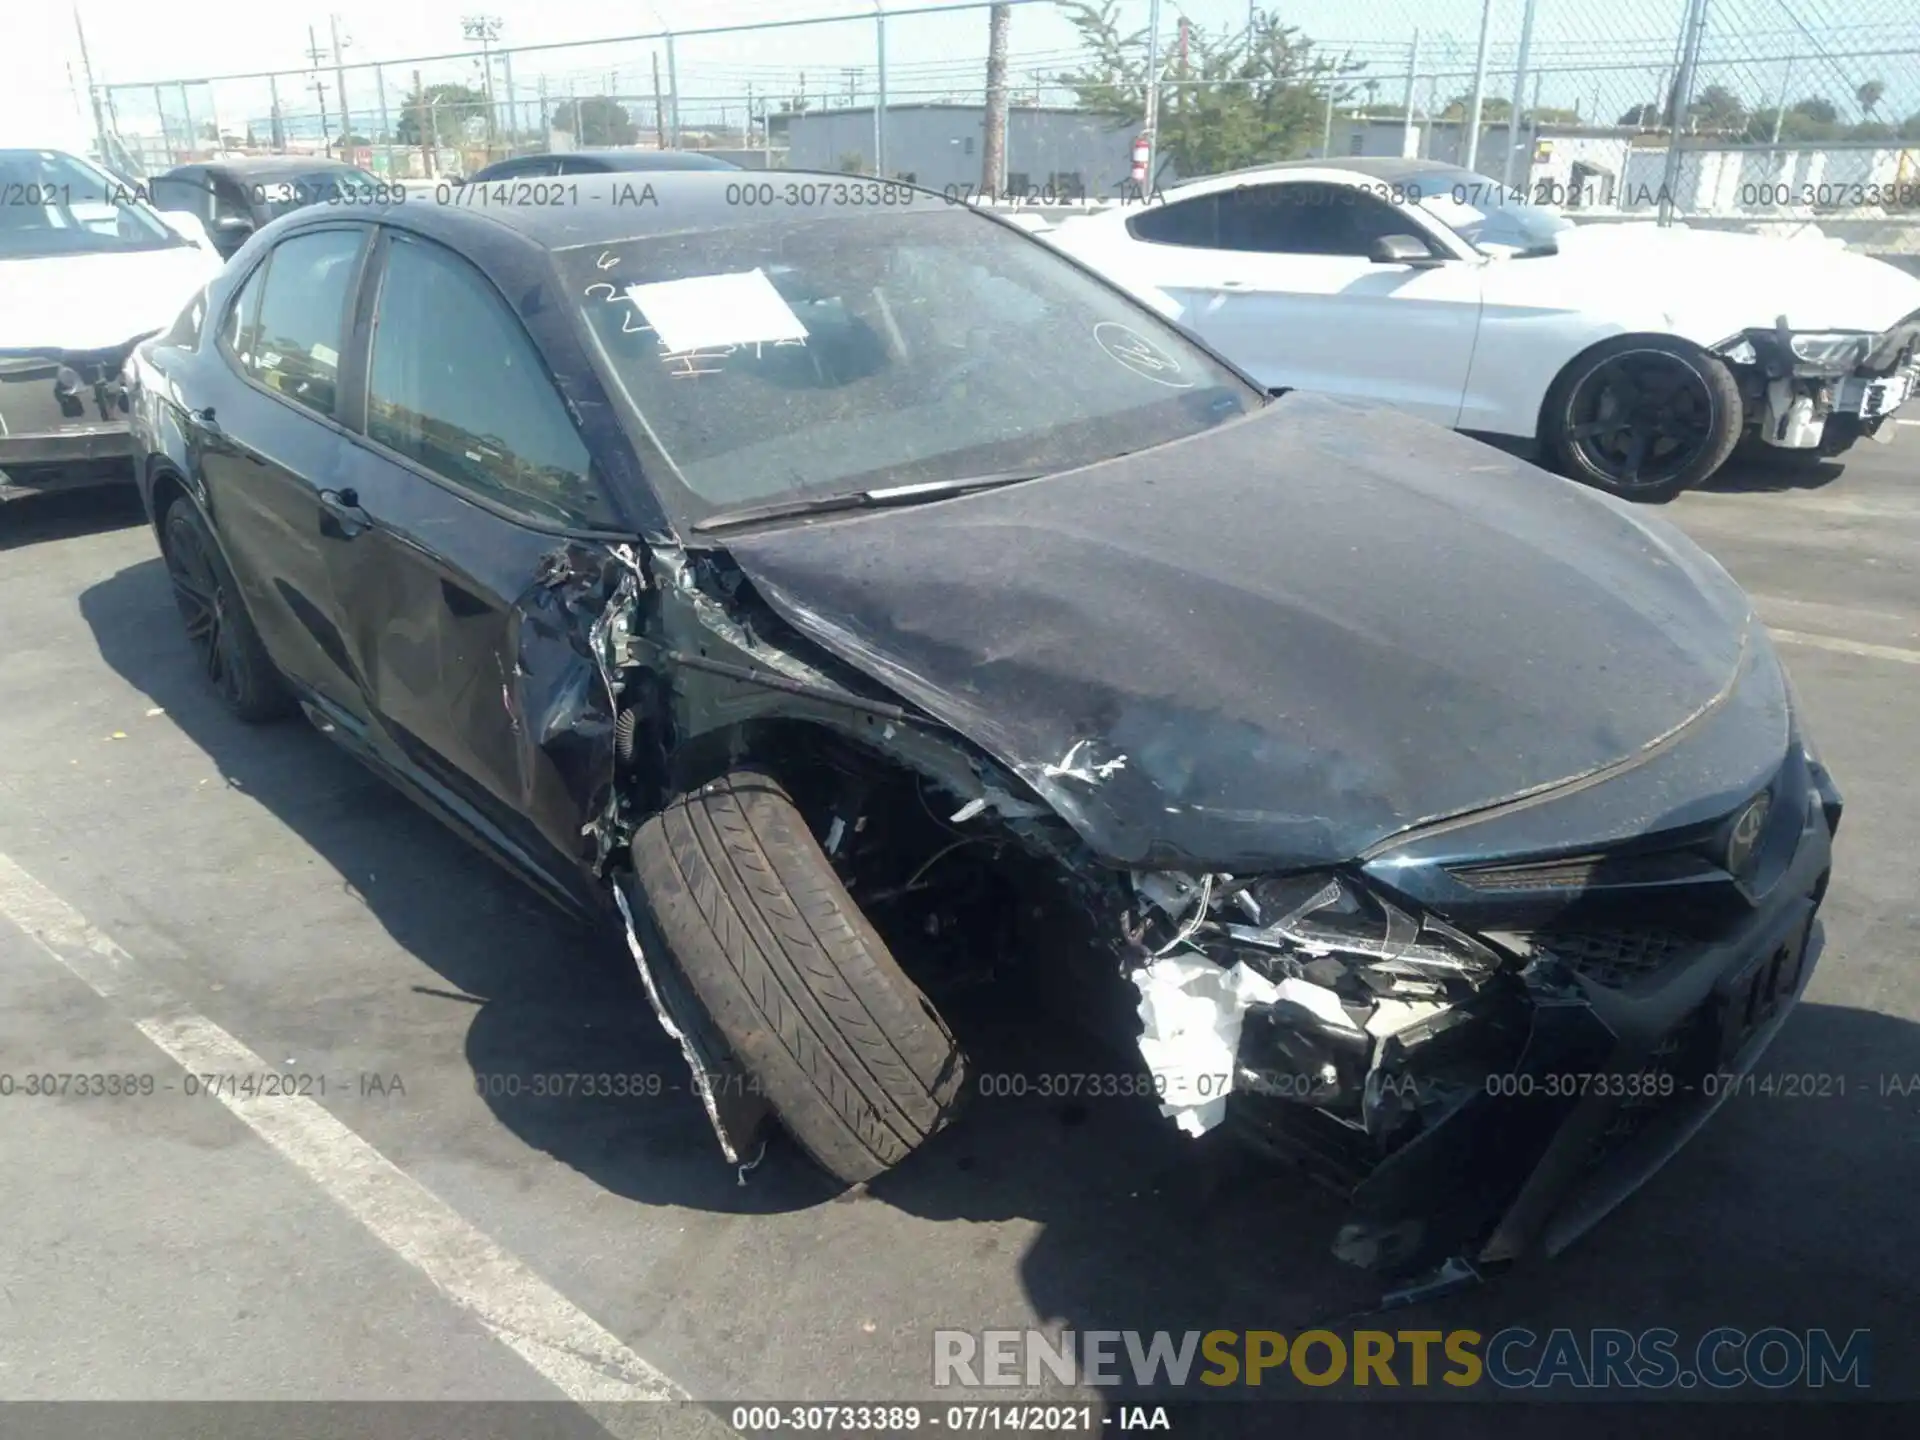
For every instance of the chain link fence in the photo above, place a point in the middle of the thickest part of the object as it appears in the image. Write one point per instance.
(1750, 113)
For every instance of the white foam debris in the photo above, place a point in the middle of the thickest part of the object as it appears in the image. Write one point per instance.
(1192, 1010)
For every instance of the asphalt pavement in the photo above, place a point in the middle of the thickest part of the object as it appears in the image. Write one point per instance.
(182, 896)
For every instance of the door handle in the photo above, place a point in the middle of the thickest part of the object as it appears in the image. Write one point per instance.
(348, 519)
(1232, 285)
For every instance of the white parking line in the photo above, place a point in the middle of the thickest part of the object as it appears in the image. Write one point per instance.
(1847, 647)
(559, 1340)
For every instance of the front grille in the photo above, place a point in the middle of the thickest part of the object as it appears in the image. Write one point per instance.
(1615, 958)
(1587, 872)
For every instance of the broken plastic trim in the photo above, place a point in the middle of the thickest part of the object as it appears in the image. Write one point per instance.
(703, 1068)
(1323, 999)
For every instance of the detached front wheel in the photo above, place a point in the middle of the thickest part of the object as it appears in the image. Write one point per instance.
(847, 1051)
(1643, 418)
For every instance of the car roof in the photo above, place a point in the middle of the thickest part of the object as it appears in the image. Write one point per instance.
(653, 159)
(1388, 169)
(609, 209)
(269, 165)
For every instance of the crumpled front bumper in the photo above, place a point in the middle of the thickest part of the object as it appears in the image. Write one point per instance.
(1610, 1081)
(63, 419)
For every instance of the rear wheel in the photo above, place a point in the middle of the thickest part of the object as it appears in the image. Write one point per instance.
(224, 641)
(848, 1052)
(1644, 418)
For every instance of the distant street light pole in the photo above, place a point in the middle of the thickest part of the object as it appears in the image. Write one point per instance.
(1479, 87)
(485, 29)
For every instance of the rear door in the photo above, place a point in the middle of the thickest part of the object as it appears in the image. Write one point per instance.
(470, 471)
(270, 445)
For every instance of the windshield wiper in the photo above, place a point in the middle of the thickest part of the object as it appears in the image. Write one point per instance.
(861, 499)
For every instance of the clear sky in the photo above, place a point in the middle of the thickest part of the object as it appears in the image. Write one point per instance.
(1603, 52)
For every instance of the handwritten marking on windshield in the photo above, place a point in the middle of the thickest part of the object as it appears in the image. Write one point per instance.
(1140, 355)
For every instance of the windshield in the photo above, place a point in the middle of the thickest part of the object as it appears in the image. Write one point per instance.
(1485, 213)
(834, 352)
(56, 204)
(285, 193)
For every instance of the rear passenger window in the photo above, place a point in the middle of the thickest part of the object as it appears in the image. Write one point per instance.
(1185, 222)
(456, 386)
(302, 323)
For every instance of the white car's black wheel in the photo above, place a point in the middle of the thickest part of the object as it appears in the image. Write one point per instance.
(1642, 417)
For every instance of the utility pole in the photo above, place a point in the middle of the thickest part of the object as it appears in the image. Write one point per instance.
(276, 126)
(340, 85)
(1514, 117)
(1479, 87)
(93, 95)
(1179, 96)
(386, 130)
(880, 97)
(1780, 111)
(506, 79)
(314, 54)
(1682, 100)
(673, 93)
(993, 144)
(659, 107)
(1407, 146)
(426, 120)
(1151, 108)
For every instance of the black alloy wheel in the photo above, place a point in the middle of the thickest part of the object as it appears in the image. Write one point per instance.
(1644, 419)
(224, 642)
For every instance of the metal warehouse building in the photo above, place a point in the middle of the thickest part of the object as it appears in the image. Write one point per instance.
(1070, 151)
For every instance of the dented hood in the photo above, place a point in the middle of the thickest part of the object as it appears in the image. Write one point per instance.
(1279, 642)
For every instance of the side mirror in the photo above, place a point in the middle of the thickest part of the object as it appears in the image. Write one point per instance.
(1403, 250)
(187, 226)
(232, 227)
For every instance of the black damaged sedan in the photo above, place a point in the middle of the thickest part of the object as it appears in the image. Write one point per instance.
(848, 598)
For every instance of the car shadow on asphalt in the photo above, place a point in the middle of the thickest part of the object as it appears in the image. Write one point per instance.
(1783, 1211)
(1761, 475)
(68, 514)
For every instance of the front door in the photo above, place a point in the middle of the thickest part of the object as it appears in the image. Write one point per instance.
(470, 472)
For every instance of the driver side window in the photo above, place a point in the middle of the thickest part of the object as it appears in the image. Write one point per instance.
(1308, 218)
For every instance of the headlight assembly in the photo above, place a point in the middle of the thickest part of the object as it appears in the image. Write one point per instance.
(1287, 925)
(1835, 351)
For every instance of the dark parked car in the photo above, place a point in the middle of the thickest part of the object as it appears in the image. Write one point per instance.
(860, 599)
(596, 162)
(233, 198)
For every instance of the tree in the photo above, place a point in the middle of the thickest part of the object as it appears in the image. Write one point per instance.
(1247, 98)
(1869, 95)
(1717, 108)
(1645, 116)
(1871, 130)
(1494, 109)
(443, 111)
(1910, 127)
(1806, 122)
(852, 162)
(596, 120)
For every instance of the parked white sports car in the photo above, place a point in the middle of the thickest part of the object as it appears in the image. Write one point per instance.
(88, 269)
(1635, 356)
